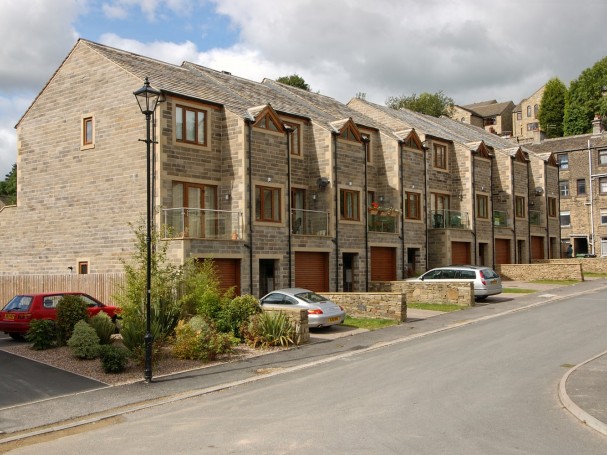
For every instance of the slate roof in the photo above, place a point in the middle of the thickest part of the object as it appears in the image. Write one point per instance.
(491, 110)
(569, 143)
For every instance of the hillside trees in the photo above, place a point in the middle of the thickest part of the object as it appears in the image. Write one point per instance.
(585, 99)
(552, 108)
(434, 104)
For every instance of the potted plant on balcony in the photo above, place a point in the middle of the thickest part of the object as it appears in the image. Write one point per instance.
(374, 208)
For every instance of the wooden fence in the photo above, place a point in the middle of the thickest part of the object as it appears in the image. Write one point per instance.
(101, 286)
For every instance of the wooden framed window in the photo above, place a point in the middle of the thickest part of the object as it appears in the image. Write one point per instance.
(519, 116)
(267, 122)
(83, 267)
(413, 206)
(267, 204)
(198, 203)
(87, 131)
(528, 111)
(350, 205)
(295, 139)
(370, 198)
(298, 212)
(190, 125)
(581, 187)
(519, 205)
(482, 206)
(440, 156)
(566, 218)
(440, 201)
(552, 207)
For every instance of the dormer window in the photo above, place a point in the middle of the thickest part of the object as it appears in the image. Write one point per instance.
(267, 122)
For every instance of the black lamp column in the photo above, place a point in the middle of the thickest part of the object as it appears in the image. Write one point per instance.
(147, 98)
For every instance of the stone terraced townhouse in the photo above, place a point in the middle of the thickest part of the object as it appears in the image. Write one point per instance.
(279, 186)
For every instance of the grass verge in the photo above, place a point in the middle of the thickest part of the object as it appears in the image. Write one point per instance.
(368, 323)
(595, 275)
(560, 282)
(435, 307)
(518, 291)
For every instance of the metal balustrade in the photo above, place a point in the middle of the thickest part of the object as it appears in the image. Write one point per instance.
(449, 219)
(309, 222)
(191, 223)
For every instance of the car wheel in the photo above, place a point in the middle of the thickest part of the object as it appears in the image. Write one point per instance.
(17, 336)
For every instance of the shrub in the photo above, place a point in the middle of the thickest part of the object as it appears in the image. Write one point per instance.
(199, 340)
(114, 359)
(104, 327)
(236, 312)
(70, 310)
(42, 334)
(268, 329)
(84, 341)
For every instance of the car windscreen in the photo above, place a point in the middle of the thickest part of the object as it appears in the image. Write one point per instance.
(19, 303)
(311, 297)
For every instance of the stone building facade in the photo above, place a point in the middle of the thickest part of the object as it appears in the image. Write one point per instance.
(279, 186)
(494, 117)
(525, 121)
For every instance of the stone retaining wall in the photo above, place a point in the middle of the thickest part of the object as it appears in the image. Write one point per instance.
(593, 265)
(387, 305)
(438, 292)
(561, 270)
(299, 319)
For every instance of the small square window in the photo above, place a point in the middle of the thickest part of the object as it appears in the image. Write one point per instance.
(581, 187)
(83, 267)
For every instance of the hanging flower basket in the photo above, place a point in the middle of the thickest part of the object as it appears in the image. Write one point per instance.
(374, 208)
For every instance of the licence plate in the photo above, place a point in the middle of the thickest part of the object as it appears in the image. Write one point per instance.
(333, 319)
(493, 281)
(9, 317)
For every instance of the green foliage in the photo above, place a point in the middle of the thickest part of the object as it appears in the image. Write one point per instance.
(434, 104)
(70, 310)
(236, 312)
(84, 342)
(114, 359)
(104, 327)
(8, 187)
(552, 108)
(268, 329)
(295, 81)
(199, 340)
(42, 334)
(585, 99)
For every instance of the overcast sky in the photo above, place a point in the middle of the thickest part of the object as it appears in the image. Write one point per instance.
(472, 50)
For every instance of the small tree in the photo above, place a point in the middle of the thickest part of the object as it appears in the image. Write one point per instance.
(552, 108)
(70, 310)
(436, 104)
(294, 81)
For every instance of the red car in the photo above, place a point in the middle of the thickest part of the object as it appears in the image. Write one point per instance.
(16, 316)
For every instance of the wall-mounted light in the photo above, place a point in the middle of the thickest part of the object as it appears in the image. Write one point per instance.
(71, 269)
(350, 183)
(381, 199)
(228, 196)
(269, 179)
(314, 196)
(412, 187)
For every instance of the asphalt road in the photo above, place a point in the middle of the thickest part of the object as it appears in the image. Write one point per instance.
(24, 381)
(485, 388)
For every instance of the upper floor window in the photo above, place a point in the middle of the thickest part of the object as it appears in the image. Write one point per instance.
(413, 206)
(190, 125)
(519, 115)
(563, 160)
(581, 186)
(199, 199)
(604, 217)
(267, 204)
(482, 206)
(566, 218)
(83, 267)
(440, 201)
(536, 110)
(520, 206)
(603, 185)
(532, 126)
(603, 157)
(295, 139)
(87, 131)
(528, 111)
(564, 188)
(349, 208)
(440, 156)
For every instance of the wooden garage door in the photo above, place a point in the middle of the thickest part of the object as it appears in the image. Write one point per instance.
(312, 271)
(537, 247)
(460, 253)
(228, 272)
(502, 251)
(383, 264)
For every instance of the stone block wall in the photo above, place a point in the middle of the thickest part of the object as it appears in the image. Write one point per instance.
(593, 265)
(299, 319)
(387, 305)
(553, 270)
(438, 292)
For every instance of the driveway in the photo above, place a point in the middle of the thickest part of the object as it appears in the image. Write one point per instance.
(24, 381)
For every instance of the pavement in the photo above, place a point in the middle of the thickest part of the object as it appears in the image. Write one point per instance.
(581, 390)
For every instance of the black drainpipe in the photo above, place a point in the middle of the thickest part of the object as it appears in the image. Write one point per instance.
(365, 155)
(402, 207)
(425, 149)
(289, 130)
(474, 207)
(558, 195)
(546, 209)
(528, 216)
(512, 158)
(492, 215)
(336, 240)
(250, 202)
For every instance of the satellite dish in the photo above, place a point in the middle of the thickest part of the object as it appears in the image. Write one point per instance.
(539, 190)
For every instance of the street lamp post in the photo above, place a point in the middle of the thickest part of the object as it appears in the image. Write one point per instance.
(147, 98)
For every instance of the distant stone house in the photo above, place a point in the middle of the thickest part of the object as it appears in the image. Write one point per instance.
(494, 117)
(279, 186)
(525, 119)
(582, 193)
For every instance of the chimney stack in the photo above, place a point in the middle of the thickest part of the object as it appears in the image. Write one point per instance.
(597, 125)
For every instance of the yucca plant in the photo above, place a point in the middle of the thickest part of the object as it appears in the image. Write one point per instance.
(269, 329)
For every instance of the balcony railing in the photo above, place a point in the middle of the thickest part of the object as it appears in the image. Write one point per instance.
(184, 222)
(449, 219)
(535, 217)
(383, 223)
(500, 219)
(309, 222)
